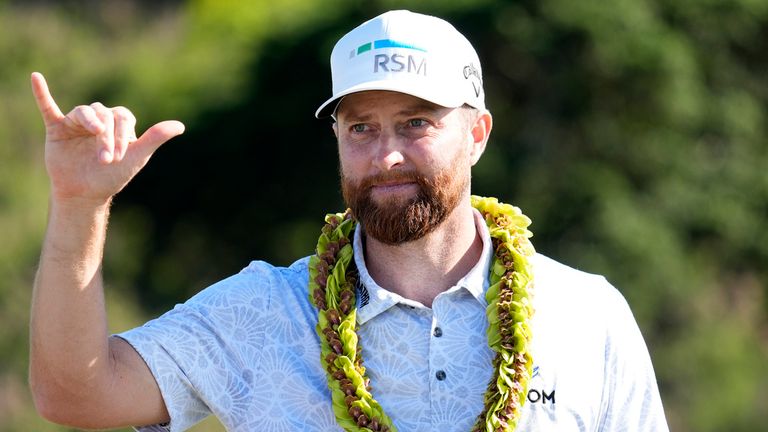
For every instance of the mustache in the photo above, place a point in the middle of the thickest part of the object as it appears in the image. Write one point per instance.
(389, 177)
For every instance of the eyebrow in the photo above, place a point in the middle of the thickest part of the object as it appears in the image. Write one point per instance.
(413, 109)
(419, 108)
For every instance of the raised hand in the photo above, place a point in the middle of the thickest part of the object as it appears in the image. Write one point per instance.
(92, 152)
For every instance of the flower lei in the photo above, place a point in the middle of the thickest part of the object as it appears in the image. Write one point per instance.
(332, 278)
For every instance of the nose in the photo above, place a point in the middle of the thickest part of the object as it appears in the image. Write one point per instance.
(390, 152)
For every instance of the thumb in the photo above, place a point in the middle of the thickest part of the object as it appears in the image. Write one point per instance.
(156, 136)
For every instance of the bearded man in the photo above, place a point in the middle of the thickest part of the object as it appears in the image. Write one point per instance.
(461, 325)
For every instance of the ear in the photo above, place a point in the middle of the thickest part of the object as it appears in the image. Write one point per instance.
(480, 131)
(335, 127)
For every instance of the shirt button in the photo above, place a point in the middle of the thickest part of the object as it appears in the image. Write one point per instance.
(438, 332)
(440, 375)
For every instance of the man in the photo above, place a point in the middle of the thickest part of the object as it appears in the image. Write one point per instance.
(410, 120)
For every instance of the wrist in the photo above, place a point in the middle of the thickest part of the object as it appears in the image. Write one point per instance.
(77, 219)
(79, 205)
(76, 232)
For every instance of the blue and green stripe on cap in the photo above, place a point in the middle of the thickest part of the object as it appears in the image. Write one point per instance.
(382, 43)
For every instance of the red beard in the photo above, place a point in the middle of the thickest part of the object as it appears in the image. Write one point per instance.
(395, 221)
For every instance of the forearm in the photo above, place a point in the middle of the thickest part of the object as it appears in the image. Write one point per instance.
(69, 355)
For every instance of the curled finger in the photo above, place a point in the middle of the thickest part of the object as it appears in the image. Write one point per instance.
(125, 130)
(85, 117)
(106, 138)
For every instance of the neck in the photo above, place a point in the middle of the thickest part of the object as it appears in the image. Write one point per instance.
(422, 269)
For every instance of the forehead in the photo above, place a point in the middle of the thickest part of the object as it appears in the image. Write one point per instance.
(389, 103)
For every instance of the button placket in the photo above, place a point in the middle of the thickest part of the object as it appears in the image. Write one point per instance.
(439, 369)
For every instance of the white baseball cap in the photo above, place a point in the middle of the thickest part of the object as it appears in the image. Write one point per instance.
(406, 52)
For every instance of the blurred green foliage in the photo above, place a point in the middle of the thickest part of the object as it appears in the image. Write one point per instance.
(632, 133)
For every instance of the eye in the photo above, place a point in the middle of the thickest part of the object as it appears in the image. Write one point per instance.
(417, 123)
(359, 128)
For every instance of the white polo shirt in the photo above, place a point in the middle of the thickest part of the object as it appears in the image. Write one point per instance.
(245, 350)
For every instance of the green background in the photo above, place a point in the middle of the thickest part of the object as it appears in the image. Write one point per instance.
(632, 132)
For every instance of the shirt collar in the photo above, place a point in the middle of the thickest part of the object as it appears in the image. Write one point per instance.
(372, 299)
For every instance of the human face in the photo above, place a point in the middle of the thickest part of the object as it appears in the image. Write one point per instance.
(405, 162)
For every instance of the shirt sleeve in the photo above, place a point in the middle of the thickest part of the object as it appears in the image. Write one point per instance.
(631, 399)
(190, 350)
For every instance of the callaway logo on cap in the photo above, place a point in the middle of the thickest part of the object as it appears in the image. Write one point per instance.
(406, 52)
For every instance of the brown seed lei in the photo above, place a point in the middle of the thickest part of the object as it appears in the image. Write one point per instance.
(332, 278)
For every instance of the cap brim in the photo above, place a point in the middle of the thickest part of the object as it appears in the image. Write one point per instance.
(417, 89)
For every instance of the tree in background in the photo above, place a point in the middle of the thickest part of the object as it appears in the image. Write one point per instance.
(632, 133)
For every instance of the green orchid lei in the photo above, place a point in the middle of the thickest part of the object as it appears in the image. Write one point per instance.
(332, 278)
